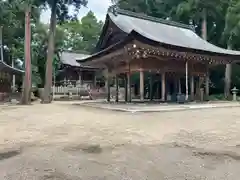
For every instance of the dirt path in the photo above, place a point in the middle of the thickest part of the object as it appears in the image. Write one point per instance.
(65, 142)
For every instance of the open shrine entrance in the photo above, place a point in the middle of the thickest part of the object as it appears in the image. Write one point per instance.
(153, 74)
(153, 86)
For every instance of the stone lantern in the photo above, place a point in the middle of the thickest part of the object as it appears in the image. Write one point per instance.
(234, 92)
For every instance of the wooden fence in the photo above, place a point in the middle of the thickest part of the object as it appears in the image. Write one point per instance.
(86, 89)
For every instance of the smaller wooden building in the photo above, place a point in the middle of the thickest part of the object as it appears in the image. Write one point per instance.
(71, 71)
(8, 74)
(175, 58)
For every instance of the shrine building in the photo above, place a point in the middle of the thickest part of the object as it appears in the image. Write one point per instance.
(169, 58)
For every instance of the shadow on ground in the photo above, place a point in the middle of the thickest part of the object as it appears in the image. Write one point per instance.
(122, 161)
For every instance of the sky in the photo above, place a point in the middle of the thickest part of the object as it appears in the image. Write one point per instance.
(99, 7)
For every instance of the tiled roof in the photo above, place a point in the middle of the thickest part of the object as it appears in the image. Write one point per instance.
(163, 31)
(69, 58)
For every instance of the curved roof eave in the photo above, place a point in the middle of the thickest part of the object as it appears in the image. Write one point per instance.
(107, 50)
(6, 68)
(142, 38)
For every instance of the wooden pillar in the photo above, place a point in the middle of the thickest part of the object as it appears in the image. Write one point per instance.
(227, 81)
(200, 90)
(175, 86)
(126, 87)
(186, 82)
(129, 83)
(1, 43)
(65, 85)
(198, 87)
(80, 77)
(151, 87)
(207, 84)
(179, 86)
(95, 79)
(117, 88)
(129, 87)
(163, 86)
(158, 90)
(108, 86)
(141, 85)
(192, 88)
(14, 79)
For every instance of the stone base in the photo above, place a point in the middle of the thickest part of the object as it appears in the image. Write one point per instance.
(163, 107)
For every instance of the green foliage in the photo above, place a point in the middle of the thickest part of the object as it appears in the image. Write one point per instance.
(62, 7)
(217, 97)
(90, 31)
(39, 50)
(232, 28)
(12, 18)
(82, 35)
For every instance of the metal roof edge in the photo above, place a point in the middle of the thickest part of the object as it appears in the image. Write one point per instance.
(13, 68)
(74, 51)
(95, 55)
(115, 10)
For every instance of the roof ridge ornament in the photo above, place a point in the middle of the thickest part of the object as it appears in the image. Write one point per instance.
(113, 9)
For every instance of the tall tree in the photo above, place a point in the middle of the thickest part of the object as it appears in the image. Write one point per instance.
(200, 13)
(39, 51)
(27, 85)
(232, 33)
(82, 35)
(90, 31)
(59, 11)
(12, 17)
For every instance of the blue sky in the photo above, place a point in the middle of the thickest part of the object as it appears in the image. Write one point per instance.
(99, 7)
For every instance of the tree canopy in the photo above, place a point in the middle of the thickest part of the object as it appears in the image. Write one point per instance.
(82, 35)
(71, 34)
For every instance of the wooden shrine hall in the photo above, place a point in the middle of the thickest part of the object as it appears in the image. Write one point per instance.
(8, 77)
(174, 58)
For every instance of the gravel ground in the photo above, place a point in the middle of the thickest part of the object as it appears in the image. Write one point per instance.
(66, 142)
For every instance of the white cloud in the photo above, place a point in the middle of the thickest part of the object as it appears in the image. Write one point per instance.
(99, 7)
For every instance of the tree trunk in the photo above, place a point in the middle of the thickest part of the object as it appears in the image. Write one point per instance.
(27, 81)
(204, 24)
(50, 55)
(1, 43)
(227, 81)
